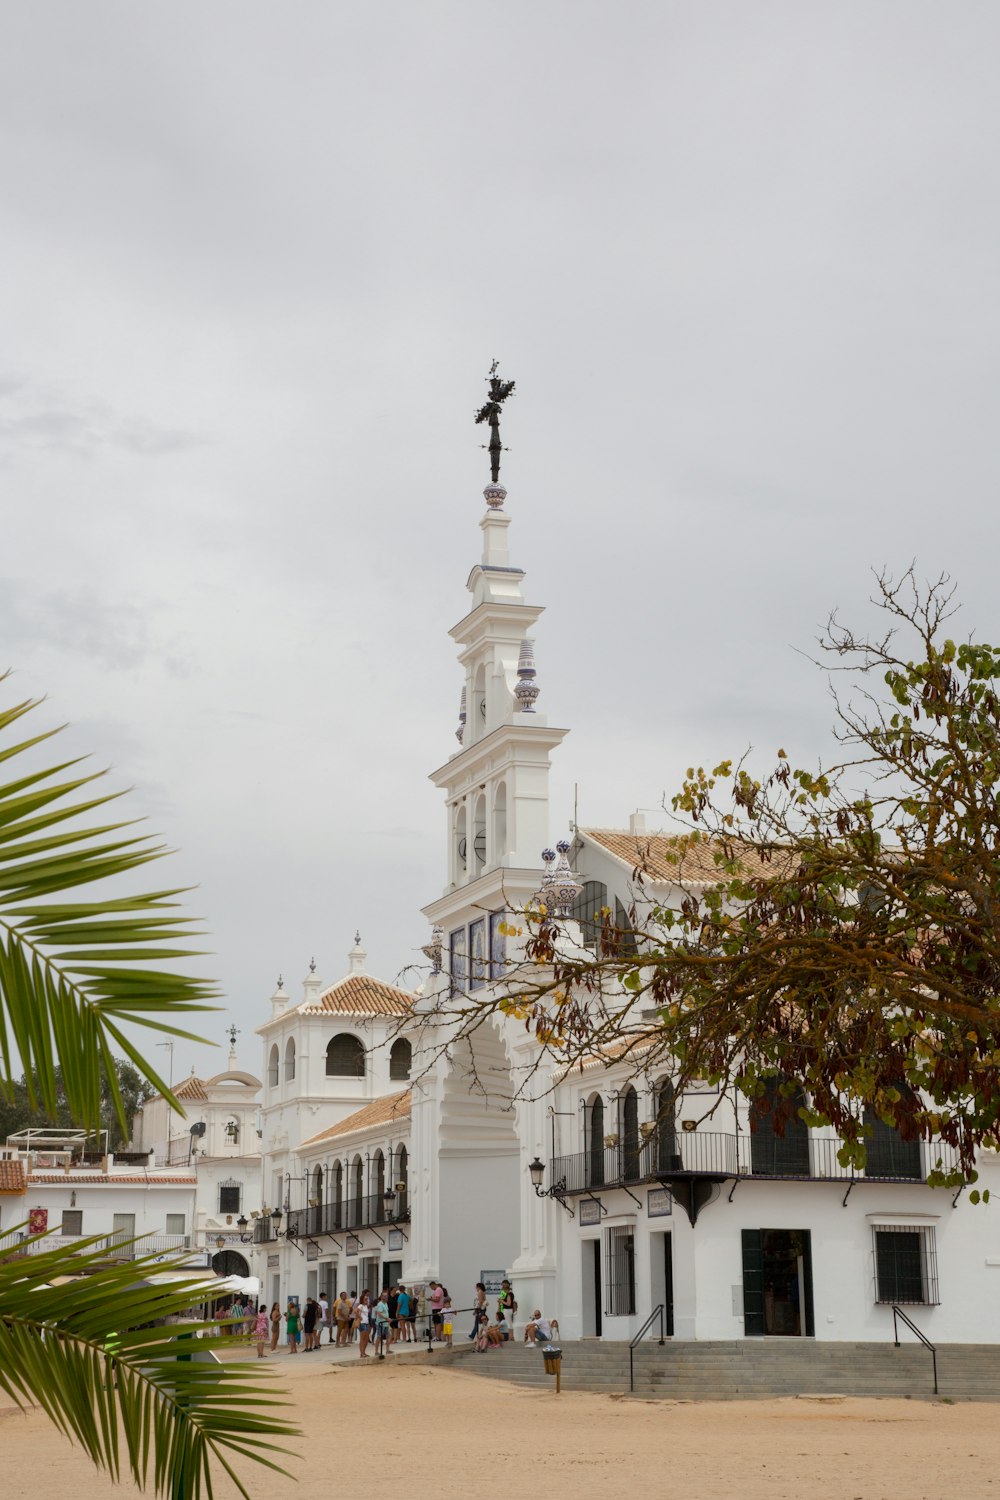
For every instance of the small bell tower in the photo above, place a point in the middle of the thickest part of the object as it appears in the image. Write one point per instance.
(496, 783)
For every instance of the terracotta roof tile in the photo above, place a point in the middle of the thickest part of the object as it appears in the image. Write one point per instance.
(361, 995)
(112, 1179)
(670, 858)
(385, 1111)
(191, 1088)
(12, 1177)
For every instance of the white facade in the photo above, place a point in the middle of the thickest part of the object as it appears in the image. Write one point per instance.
(663, 1202)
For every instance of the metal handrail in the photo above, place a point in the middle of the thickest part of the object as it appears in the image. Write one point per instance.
(897, 1312)
(657, 1312)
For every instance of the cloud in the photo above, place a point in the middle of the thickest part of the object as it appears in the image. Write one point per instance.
(36, 419)
(77, 621)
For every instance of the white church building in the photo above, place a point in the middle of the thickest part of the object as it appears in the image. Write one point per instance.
(393, 1151)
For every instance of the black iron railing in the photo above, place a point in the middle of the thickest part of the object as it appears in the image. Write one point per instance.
(658, 1313)
(333, 1218)
(716, 1154)
(897, 1312)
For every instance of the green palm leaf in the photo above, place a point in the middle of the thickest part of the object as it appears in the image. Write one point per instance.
(139, 1397)
(73, 972)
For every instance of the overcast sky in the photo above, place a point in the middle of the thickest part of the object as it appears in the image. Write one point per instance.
(741, 259)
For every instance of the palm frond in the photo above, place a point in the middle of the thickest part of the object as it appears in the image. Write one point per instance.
(73, 972)
(140, 1396)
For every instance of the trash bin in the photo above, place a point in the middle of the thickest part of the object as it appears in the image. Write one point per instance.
(552, 1356)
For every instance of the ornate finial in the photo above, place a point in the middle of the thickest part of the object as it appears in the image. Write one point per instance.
(526, 689)
(357, 936)
(499, 391)
(567, 887)
(460, 731)
(281, 983)
(232, 1033)
(495, 495)
(547, 893)
(312, 966)
(434, 948)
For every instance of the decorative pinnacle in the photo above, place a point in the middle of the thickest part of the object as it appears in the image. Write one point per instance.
(357, 936)
(567, 886)
(495, 495)
(526, 689)
(281, 983)
(434, 948)
(460, 731)
(312, 966)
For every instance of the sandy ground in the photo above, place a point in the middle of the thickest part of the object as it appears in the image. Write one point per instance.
(436, 1433)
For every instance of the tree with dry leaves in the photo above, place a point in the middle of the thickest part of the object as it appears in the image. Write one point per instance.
(849, 948)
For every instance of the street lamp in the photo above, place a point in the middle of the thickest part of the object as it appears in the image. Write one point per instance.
(389, 1202)
(276, 1221)
(242, 1224)
(536, 1171)
(220, 1242)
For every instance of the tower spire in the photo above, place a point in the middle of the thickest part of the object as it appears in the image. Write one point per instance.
(490, 412)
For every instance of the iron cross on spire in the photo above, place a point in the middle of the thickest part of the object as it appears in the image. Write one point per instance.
(499, 391)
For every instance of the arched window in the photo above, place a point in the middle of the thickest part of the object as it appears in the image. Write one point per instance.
(595, 1142)
(400, 1058)
(345, 1056)
(779, 1137)
(587, 910)
(624, 932)
(290, 1059)
(378, 1185)
(461, 849)
(667, 1157)
(358, 1205)
(272, 1067)
(499, 823)
(630, 1135)
(338, 1194)
(887, 1155)
(479, 835)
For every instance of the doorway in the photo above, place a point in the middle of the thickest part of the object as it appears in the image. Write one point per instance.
(777, 1283)
(392, 1270)
(592, 1305)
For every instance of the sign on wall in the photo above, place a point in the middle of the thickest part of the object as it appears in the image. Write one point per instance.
(353, 1244)
(38, 1220)
(395, 1239)
(273, 1262)
(312, 1250)
(659, 1203)
(589, 1210)
(493, 1281)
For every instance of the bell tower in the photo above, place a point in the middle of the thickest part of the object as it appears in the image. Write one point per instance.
(496, 783)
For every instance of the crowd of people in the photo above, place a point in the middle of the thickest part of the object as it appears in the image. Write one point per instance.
(375, 1324)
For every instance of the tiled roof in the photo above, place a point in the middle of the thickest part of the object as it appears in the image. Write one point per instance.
(12, 1177)
(671, 858)
(361, 995)
(385, 1111)
(111, 1179)
(191, 1088)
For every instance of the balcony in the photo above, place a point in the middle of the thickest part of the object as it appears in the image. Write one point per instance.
(717, 1157)
(333, 1218)
(118, 1245)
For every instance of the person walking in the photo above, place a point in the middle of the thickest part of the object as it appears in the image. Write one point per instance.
(275, 1325)
(382, 1326)
(309, 1324)
(262, 1330)
(392, 1301)
(293, 1327)
(362, 1322)
(478, 1306)
(342, 1318)
(324, 1320)
(437, 1302)
(506, 1308)
(404, 1301)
